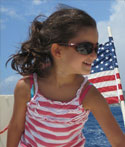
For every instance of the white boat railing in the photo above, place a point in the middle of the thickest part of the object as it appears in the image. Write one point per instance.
(6, 108)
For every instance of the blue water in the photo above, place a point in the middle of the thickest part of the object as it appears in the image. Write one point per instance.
(95, 137)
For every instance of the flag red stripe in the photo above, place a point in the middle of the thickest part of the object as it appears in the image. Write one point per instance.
(122, 97)
(113, 100)
(102, 79)
(109, 88)
(118, 76)
(119, 86)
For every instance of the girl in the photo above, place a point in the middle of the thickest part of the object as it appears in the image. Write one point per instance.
(53, 99)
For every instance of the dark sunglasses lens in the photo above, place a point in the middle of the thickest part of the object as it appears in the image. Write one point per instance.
(85, 48)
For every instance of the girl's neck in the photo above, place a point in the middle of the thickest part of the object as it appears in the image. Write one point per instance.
(61, 79)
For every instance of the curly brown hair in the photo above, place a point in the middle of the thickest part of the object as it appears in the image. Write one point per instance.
(60, 27)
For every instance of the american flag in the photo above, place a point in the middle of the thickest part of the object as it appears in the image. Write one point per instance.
(105, 74)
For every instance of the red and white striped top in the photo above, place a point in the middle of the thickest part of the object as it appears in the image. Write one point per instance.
(53, 123)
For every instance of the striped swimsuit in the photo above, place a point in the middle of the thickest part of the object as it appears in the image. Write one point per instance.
(52, 123)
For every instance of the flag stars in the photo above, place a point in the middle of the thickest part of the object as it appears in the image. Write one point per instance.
(102, 55)
(111, 67)
(102, 48)
(107, 51)
(106, 64)
(112, 41)
(110, 60)
(107, 58)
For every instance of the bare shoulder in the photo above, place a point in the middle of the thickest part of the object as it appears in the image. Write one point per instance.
(22, 89)
(21, 97)
(93, 99)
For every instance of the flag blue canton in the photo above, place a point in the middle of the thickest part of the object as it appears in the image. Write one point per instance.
(106, 57)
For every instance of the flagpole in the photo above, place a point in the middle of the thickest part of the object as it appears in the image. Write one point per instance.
(122, 102)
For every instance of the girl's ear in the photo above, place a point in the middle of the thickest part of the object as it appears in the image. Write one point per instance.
(56, 50)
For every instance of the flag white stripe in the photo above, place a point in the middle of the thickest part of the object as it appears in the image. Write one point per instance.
(111, 93)
(102, 74)
(104, 84)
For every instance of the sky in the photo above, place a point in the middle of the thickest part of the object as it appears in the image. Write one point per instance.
(16, 17)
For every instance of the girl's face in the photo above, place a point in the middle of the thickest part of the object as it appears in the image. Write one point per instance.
(75, 63)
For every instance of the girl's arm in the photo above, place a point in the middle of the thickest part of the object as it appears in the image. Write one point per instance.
(101, 111)
(16, 126)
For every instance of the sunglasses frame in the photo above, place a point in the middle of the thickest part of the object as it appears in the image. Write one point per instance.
(76, 46)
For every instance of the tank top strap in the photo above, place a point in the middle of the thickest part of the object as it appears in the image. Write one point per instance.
(84, 82)
(31, 86)
(85, 91)
(35, 83)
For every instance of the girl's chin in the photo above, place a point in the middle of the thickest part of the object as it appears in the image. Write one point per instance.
(86, 72)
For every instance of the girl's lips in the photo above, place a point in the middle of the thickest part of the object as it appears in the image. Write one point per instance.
(87, 64)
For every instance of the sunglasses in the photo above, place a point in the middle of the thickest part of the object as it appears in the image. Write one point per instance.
(84, 48)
